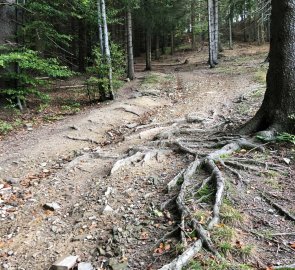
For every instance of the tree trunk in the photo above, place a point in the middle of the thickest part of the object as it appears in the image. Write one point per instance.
(216, 30)
(82, 45)
(130, 46)
(213, 43)
(245, 20)
(157, 55)
(277, 111)
(230, 32)
(172, 43)
(107, 48)
(193, 23)
(148, 49)
(100, 31)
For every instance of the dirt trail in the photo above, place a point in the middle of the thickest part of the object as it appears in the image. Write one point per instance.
(108, 220)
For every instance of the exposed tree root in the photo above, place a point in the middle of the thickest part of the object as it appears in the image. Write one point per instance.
(191, 198)
(285, 267)
(82, 139)
(141, 157)
(280, 209)
(184, 258)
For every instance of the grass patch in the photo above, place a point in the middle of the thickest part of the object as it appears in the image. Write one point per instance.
(151, 79)
(211, 264)
(258, 93)
(272, 179)
(5, 127)
(260, 76)
(230, 215)
(206, 194)
(223, 233)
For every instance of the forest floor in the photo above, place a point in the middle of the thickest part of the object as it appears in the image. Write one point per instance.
(111, 216)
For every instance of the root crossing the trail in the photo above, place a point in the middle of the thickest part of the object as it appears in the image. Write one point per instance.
(189, 184)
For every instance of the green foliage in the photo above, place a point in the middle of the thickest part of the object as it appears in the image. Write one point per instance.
(71, 108)
(101, 68)
(5, 127)
(281, 137)
(22, 67)
(286, 137)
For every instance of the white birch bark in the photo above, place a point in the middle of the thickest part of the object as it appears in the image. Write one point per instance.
(107, 48)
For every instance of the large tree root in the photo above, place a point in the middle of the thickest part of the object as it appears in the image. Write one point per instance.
(190, 186)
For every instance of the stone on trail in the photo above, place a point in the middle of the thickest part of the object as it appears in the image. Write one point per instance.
(51, 206)
(115, 265)
(65, 263)
(85, 266)
(107, 210)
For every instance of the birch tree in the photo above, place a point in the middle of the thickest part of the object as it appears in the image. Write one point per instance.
(106, 52)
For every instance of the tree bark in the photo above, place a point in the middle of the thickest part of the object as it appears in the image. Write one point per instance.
(100, 31)
(213, 32)
(216, 30)
(82, 45)
(130, 46)
(277, 111)
(230, 32)
(107, 48)
(172, 43)
(157, 54)
(148, 49)
(193, 23)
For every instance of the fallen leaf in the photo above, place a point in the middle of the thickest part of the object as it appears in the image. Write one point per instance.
(292, 245)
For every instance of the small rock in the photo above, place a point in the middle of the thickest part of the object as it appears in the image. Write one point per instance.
(12, 181)
(10, 253)
(89, 237)
(107, 210)
(65, 263)
(271, 211)
(85, 266)
(108, 192)
(115, 265)
(51, 206)
(28, 125)
(78, 238)
(287, 161)
(1, 186)
(101, 251)
(43, 164)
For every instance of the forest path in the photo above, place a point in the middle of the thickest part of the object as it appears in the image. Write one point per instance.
(111, 219)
